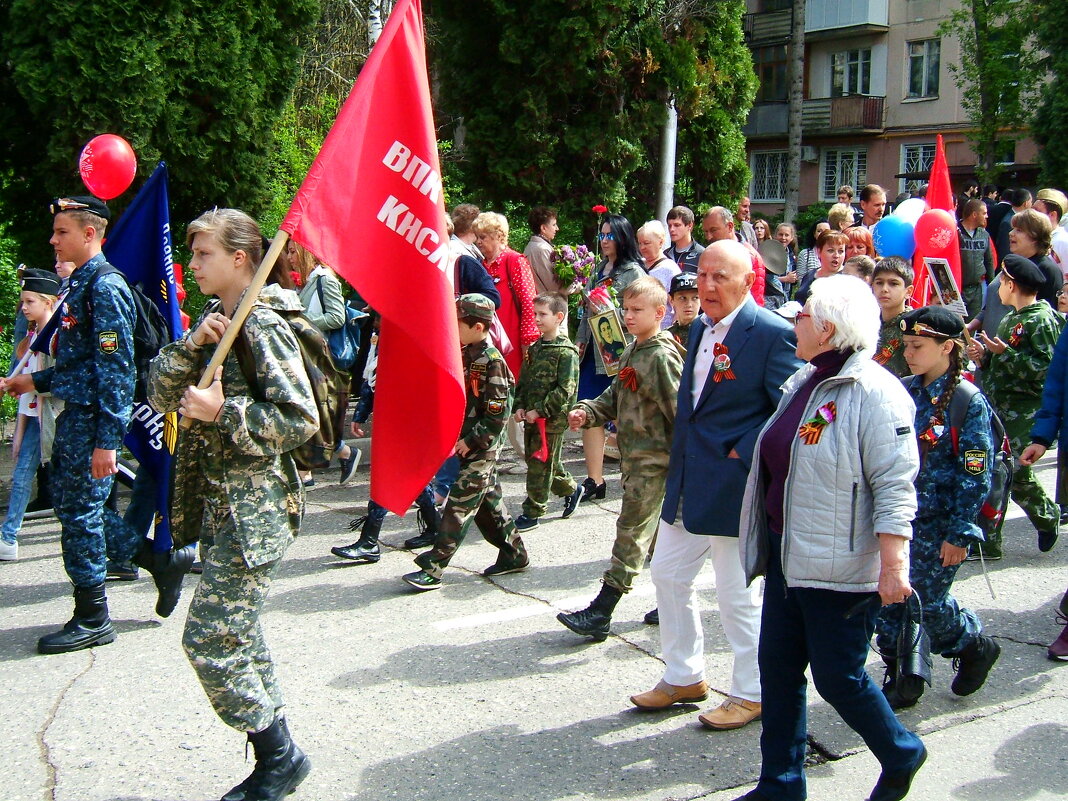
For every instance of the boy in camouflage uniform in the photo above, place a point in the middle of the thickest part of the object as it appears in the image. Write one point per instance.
(642, 401)
(1014, 372)
(477, 495)
(547, 389)
(686, 304)
(891, 282)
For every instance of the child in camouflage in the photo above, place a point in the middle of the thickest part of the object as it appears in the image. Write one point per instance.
(477, 491)
(642, 401)
(547, 389)
(684, 300)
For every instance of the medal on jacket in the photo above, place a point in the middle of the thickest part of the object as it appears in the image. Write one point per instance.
(1017, 335)
(721, 363)
(67, 321)
(887, 352)
(811, 431)
(628, 377)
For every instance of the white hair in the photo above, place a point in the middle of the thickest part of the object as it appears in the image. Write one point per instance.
(847, 303)
(654, 228)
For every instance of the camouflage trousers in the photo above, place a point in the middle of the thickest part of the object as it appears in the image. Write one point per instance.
(643, 499)
(950, 627)
(545, 477)
(1026, 492)
(223, 638)
(79, 501)
(476, 496)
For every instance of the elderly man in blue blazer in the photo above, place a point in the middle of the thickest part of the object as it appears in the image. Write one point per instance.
(738, 357)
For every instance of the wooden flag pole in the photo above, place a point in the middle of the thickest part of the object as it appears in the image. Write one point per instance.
(240, 314)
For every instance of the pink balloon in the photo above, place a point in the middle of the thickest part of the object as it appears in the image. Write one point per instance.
(936, 231)
(107, 165)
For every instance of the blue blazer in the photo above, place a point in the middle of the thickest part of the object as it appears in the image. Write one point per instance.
(728, 416)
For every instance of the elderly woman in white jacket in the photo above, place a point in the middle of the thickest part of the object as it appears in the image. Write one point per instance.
(827, 519)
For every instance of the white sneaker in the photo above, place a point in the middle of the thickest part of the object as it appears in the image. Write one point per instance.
(9, 551)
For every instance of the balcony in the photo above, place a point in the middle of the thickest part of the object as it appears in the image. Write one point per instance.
(768, 27)
(830, 19)
(819, 116)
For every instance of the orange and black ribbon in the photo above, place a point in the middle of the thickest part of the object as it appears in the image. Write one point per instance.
(812, 430)
(628, 377)
(721, 363)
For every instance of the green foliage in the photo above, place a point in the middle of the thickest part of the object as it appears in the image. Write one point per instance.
(806, 218)
(564, 105)
(9, 299)
(198, 84)
(1051, 118)
(995, 73)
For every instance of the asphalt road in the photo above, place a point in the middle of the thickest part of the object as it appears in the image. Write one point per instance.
(476, 692)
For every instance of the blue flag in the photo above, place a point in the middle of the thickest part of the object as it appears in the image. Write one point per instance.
(140, 246)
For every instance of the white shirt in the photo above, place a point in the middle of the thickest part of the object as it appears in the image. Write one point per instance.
(716, 333)
(1059, 249)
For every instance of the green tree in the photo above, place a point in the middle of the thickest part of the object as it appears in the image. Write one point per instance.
(564, 105)
(1051, 118)
(994, 75)
(198, 84)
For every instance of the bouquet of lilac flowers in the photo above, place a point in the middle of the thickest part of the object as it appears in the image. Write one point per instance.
(572, 266)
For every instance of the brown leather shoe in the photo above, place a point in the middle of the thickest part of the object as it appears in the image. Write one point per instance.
(733, 713)
(664, 695)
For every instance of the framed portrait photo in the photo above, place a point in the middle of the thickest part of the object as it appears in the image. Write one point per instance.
(945, 285)
(610, 339)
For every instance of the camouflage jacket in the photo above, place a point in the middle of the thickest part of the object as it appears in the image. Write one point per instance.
(642, 401)
(891, 351)
(549, 381)
(681, 333)
(242, 458)
(1013, 380)
(489, 398)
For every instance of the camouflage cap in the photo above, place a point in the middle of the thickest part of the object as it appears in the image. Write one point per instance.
(474, 305)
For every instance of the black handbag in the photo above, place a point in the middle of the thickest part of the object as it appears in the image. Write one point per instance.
(913, 644)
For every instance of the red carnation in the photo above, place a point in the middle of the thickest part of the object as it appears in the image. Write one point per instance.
(599, 209)
(296, 278)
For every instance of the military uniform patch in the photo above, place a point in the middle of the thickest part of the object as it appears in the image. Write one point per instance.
(496, 406)
(109, 341)
(975, 462)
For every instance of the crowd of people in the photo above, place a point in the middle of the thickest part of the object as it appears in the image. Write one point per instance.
(784, 415)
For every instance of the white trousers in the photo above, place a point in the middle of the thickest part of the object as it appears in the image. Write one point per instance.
(677, 560)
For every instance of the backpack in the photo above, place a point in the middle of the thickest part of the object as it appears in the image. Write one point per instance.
(150, 330)
(326, 380)
(344, 341)
(992, 513)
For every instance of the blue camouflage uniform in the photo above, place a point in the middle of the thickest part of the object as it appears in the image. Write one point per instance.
(950, 489)
(94, 374)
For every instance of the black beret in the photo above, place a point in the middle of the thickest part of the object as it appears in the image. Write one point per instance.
(80, 203)
(933, 321)
(1024, 271)
(683, 282)
(43, 281)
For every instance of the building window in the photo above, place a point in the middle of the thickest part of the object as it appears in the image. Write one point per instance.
(769, 177)
(924, 57)
(851, 73)
(916, 159)
(843, 167)
(770, 66)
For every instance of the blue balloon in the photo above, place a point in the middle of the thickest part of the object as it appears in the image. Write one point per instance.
(894, 236)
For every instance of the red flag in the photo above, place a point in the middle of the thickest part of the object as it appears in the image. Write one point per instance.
(372, 207)
(939, 196)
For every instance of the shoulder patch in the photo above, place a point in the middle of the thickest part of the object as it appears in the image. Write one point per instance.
(975, 462)
(496, 406)
(109, 342)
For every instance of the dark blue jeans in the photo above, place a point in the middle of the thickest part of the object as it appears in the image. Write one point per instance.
(801, 628)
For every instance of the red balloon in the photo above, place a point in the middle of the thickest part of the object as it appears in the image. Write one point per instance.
(108, 166)
(936, 232)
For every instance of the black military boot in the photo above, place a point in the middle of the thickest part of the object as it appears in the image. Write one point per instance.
(973, 664)
(89, 626)
(167, 569)
(596, 619)
(428, 530)
(900, 692)
(280, 766)
(366, 548)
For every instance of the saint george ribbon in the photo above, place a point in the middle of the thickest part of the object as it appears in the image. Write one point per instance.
(721, 363)
(628, 377)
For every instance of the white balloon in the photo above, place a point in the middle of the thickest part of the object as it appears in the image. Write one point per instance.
(911, 209)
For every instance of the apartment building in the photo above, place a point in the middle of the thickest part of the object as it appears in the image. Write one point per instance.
(877, 91)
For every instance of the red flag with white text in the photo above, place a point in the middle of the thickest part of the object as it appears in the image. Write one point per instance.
(371, 207)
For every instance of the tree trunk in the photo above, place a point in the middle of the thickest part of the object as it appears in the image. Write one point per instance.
(377, 14)
(796, 106)
(665, 194)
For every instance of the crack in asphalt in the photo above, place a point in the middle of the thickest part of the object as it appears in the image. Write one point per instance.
(42, 733)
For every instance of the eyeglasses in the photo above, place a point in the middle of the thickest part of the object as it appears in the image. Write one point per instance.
(609, 236)
(800, 316)
(65, 204)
